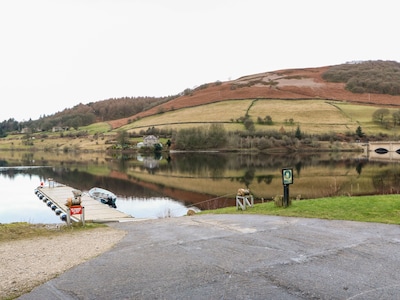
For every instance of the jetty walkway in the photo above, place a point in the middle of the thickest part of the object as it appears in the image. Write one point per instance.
(56, 196)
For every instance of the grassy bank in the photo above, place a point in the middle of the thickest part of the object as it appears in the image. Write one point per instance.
(379, 209)
(23, 230)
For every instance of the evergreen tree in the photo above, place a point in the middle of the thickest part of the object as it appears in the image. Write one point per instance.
(359, 132)
(298, 134)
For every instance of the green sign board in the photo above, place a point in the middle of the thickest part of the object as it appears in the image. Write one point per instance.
(287, 176)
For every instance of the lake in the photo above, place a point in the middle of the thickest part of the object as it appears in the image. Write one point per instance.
(166, 186)
(20, 204)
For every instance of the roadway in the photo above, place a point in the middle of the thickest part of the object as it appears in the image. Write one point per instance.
(239, 257)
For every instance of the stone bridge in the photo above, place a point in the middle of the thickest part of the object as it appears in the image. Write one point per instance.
(385, 151)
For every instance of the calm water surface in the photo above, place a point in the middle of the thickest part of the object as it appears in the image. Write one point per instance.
(160, 187)
(19, 203)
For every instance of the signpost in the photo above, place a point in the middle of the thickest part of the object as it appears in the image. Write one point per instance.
(287, 178)
(76, 210)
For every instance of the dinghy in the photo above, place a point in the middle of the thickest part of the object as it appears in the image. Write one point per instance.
(104, 196)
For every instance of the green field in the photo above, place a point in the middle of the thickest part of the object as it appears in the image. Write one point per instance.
(101, 127)
(362, 114)
(313, 116)
(226, 112)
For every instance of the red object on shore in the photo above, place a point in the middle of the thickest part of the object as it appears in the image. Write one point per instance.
(76, 210)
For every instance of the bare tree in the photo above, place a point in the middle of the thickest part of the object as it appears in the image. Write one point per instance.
(380, 114)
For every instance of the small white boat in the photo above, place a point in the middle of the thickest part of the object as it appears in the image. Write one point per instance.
(104, 196)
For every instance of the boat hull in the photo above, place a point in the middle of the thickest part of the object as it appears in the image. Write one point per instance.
(104, 196)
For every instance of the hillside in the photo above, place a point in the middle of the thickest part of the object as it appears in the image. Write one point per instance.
(289, 84)
(373, 83)
(271, 110)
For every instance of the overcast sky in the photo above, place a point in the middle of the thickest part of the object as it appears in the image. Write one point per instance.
(55, 54)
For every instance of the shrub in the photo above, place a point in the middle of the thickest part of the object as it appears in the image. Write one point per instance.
(210, 137)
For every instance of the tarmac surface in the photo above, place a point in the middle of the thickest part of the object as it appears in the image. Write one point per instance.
(239, 257)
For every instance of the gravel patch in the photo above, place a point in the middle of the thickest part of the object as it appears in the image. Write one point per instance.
(30, 262)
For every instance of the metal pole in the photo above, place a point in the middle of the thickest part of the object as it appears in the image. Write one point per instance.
(286, 195)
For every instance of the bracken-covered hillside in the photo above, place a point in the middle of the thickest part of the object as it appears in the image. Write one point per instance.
(308, 83)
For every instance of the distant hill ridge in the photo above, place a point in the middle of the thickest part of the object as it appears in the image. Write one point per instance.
(369, 82)
(305, 83)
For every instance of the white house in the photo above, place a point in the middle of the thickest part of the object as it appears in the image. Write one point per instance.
(150, 141)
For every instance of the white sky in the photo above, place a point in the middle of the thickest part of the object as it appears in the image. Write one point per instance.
(55, 54)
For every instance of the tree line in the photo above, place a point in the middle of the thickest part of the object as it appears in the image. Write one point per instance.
(380, 77)
(86, 114)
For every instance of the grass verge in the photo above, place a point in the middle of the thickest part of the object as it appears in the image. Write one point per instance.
(23, 230)
(379, 209)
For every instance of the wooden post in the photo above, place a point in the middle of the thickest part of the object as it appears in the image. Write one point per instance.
(51, 182)
(83, 216)
(245, 201)
(68, 216)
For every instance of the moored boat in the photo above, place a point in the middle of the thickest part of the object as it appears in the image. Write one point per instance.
(104, 196)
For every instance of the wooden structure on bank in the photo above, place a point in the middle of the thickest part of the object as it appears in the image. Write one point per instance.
(243, 199)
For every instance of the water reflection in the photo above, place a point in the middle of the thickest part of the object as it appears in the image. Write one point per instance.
(18, 202)
(217, 174)
(151, 208)
(204, 180)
